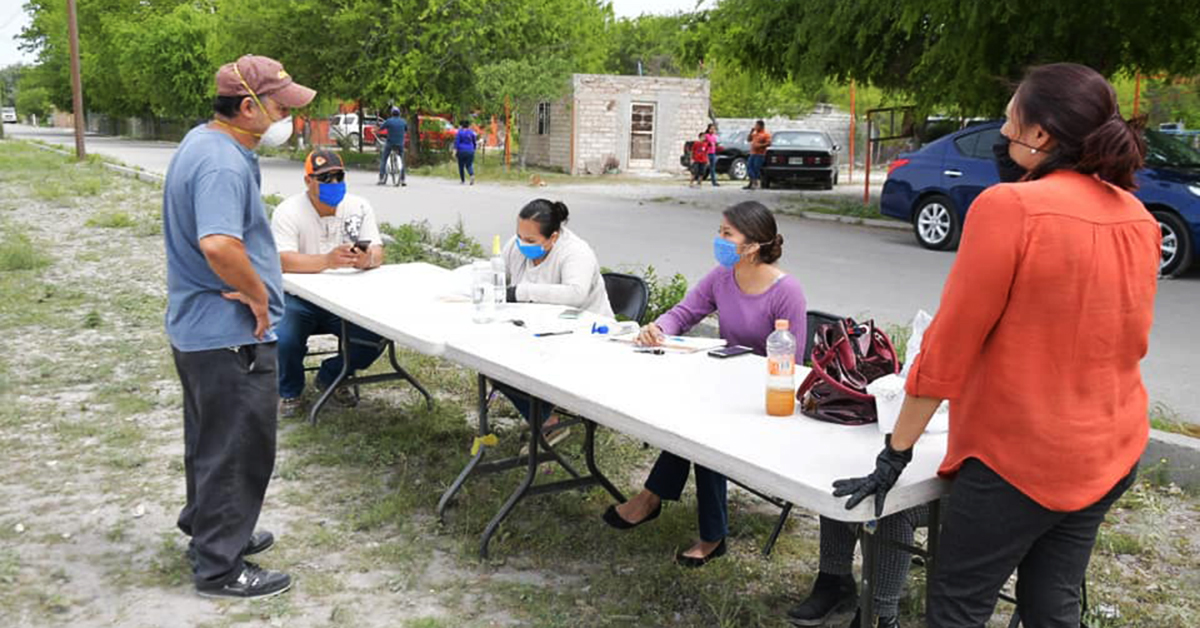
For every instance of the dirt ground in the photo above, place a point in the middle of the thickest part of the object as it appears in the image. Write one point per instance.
(90, 430)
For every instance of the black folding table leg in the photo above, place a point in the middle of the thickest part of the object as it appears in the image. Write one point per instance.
(482, 401)
(535, 419)
(344, 349)
(407, 376)
(869, 542)
(931, 548)
(589, 452)
(783, 517)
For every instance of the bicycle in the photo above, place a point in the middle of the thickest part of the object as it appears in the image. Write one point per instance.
(395, 164)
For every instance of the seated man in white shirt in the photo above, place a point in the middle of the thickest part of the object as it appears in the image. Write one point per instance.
(317, 230)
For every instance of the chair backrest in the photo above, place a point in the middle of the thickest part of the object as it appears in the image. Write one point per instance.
(627, 294)
(814, 320)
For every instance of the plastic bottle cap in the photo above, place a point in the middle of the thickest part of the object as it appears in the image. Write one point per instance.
(782, 323)
(495, 245)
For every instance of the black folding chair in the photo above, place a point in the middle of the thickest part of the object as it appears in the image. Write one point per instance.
(628, 295)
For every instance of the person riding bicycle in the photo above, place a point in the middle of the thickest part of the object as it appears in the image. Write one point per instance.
(396, 129)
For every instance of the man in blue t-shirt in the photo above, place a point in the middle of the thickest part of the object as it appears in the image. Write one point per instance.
(396, 129)
(224, 293)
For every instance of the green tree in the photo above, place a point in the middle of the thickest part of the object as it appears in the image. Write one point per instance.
(954, 54)
(164, 59)
(9, 77)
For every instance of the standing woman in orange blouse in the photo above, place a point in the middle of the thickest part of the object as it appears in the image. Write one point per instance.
(1044, 320)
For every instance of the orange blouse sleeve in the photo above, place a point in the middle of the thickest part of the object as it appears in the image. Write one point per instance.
(974, 297)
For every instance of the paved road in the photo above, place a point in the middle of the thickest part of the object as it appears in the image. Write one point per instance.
(866, 272)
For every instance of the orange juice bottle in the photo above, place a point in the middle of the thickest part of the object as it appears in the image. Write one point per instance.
(781, 370)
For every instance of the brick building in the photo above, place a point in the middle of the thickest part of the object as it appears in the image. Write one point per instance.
(630, 123)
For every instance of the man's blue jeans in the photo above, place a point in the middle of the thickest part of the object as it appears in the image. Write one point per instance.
(754, 166)
(383, 159)
(302, 319)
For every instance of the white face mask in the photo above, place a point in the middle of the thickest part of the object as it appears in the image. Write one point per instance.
(278, 133)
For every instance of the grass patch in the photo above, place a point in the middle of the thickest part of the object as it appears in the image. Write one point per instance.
(839, 206)
(18, 252)
(111, 220)
(1166, 419)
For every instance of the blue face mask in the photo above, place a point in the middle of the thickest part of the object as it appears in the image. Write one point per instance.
(331, 193)
(725, 252)
(531, 251)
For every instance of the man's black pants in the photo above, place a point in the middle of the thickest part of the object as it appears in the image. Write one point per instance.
(991, 529)
(230, 399)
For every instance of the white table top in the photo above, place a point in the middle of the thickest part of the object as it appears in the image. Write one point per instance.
(711, 411)
(405, 303)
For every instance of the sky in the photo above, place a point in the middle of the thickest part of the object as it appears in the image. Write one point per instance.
(13, 18)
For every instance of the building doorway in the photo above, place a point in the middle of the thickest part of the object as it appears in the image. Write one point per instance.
(641, 135)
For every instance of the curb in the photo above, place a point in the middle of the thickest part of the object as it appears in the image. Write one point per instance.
(1178, 455)
(849, 220)
(141, 175)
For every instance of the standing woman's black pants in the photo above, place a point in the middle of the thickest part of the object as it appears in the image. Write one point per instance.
(991, 529)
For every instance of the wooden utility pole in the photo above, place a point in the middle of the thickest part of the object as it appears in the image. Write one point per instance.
(1137, 94)
(850, 174)
(76, 82)
(507, 134)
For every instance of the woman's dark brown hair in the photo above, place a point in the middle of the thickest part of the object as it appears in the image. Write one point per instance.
(549, 215)
(1078, 108)
(757, 223)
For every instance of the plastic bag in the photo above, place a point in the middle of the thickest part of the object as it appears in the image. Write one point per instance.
(889, 391)
(920, 323)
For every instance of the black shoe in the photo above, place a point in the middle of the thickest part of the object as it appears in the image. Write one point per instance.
(884, 622)
(830, 595)
(692, 562)
(381, 182)
(260, 541)
(253, 582)
(614, 519)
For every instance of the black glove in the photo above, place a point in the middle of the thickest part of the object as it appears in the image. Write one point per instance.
(510, 295)
(888, 466)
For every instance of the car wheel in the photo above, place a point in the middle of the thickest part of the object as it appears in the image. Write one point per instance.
(936, 223)
(766, 182)
(830, 182)
(353, 138)
(1176, 243)
(737, 169)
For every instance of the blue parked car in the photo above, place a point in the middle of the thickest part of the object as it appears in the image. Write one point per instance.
(933, 187)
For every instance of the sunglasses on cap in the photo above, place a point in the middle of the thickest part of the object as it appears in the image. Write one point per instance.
(336, 176)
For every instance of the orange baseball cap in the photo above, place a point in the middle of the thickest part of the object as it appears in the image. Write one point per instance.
(321, 161)
(252, 75)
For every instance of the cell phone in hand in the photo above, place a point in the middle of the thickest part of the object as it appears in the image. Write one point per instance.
(361, 246)
(729, 351)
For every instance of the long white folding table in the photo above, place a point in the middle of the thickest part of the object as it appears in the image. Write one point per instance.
(710, 411)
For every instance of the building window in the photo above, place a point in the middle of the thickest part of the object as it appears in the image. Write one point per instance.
(543, 118)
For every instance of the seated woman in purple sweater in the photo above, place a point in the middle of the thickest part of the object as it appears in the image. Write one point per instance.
(749, 293)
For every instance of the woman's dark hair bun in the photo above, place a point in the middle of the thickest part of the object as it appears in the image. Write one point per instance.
(1115, 151)
(771, 251)
(561, 212)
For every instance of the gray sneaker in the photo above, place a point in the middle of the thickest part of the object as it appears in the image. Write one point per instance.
(291, 408)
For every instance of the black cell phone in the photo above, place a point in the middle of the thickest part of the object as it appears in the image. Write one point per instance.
(729, 351)
(362, 245)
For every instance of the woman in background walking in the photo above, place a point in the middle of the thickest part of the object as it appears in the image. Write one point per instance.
(464, 148)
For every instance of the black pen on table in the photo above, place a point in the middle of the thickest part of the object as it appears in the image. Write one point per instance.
(543, 334)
